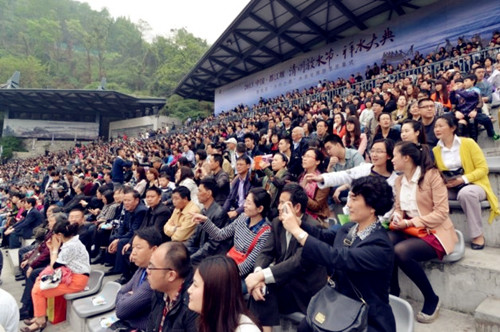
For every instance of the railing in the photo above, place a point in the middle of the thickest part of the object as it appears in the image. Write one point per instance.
(464, 62)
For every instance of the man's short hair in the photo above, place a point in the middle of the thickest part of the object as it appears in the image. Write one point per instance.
(77, 210)
(245, 158)
(155, 189)
(297, 195)
(31, 201)
(424, 100)
(471, 77)
(150, 235)
(249, 135)
(209, 184)
(177, 258)
(334, 139)
(217, 157)
(16, 194)
(183, 192)
(130, 190)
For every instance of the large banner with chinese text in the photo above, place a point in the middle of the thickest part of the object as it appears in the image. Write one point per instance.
(425, 30)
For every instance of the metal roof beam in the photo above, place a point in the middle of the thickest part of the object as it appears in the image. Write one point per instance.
(272, 29)
(224, 65)
(353, 18)
(238, 55)
(395, 7)
(258, 45)
(302, 17)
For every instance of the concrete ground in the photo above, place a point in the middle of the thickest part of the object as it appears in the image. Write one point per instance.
(447, 321)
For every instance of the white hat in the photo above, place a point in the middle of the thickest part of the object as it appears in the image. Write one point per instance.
(231, 140)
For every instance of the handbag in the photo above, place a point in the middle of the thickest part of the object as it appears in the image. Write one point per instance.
(451, 175)
(419, 232)
(238, 256)
(331, 311)
(49, 281)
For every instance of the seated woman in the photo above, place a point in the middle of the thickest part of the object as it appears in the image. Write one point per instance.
(422, 202)
(400, 114)
(276, 177)
(184, 177)
(381, 166)
(244, 228)
(354, 138)
(413, 131)
(339, 125)
(104, 223)
(367, 263)
(68, 253)
(36, 260)
(217, 296)
(317, 206)
(464, 167)
(140, 180)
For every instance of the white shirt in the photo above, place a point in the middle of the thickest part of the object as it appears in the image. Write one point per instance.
(408, 194)
(246, 325)
(9, 315)
(451, 157)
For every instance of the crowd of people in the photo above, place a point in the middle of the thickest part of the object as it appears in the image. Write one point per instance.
(189, 222)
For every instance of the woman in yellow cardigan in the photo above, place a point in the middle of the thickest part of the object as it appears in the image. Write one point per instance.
(464, 167)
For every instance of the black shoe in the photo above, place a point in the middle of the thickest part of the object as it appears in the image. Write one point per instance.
(107, 264)
(111, 272)
(122, 280)
(475, 246)
(20, 277)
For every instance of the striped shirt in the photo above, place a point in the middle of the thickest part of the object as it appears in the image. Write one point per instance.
(242, 238)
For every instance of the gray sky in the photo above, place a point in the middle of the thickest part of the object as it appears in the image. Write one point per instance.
(203, 18)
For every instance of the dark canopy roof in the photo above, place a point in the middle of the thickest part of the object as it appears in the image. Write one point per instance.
(75, 102)
(268, 32)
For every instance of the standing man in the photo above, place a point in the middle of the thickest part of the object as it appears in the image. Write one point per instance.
(118, 165)
(170, 275)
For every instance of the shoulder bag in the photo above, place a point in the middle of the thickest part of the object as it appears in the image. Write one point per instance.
(239, 257)
(331, 311)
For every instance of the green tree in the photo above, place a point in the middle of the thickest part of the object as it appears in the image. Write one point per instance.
(186, 108)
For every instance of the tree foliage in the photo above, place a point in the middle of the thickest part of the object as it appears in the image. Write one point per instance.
(65, 44)
(10, 144)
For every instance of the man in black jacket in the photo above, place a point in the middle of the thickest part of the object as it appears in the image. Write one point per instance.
(199, 244)
(221, 179)
(291, 281)
(170, 275)
(24, 228)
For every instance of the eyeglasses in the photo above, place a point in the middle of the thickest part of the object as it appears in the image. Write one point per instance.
(152, 268)
(377, 151)
(427, 106)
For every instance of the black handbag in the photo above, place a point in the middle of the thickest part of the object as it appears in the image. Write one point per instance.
(331, 311)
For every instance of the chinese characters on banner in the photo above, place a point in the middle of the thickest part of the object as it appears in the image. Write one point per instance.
(322, 62)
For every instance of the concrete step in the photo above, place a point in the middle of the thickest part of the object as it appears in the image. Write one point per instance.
(463, 285)
(491, 231)
(487, 315)
(448, 320)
